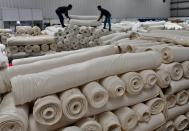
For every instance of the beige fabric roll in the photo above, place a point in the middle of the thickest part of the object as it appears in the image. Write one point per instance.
(185, 66)
(5, 84)
(44, 47)
(163, 78)
(12, 117)
(149, 78)
(28, 48)
(61, 79)
(171, 101)
(155, 122)
(89, 124)
(176, 86)
(53, 47)
(182, 97)
(109, 122)
(84, 22)
(96, 95)
(83, 17)
(74, 104)
(134, 83)
(36, 48)
(13, 49)
(114, 85)
(187, 115)
(72, 128)
(143, 112)
(169, 126)
(47, 110)
(175, 70)
(127, 117)
(181, 122)
(156, 105)
(21, 49)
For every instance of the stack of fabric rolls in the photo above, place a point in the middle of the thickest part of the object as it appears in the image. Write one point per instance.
(28, 30)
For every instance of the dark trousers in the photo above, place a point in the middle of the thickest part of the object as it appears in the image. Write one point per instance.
(61, 18)
(107, 20)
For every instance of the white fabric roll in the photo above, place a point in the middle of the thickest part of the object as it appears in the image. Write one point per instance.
(149, 78)
(96, 95)
(181, 122)
(72, 128)
(84, 22)
(185, 66)
(53, 47)
(21, 49)
(169, 126)
(74, 104)
(79, 17)
(143, 112)
(175, 70)
(12, 117)
(176, 86)
(89, 124)
(114, 85)
(108, 37)
(171, 101)
(61, 79)
(155, 122)
(109, 121)
(44, 47)
(47, 110)
(5, 84)
(134, 83)
(163, 78)
(182, 97)
(36, 48)
(156, 105)
(28, 48)
(127, 117)
(187, 115)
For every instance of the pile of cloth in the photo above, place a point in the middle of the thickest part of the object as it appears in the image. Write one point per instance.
(28, 30)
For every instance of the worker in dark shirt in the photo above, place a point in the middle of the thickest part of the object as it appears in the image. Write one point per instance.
(107, 15)
(63, 10)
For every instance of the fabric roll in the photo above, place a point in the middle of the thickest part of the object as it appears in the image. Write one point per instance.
(134, 83)
(60, 79)
(89, 124)
(28, 48)
(163, 78)
(96, 95)
(169, 126)
(185, 66)
(109, 121)
(13, 49)
(72, 128)
(83, 17)
(21, 49)
(187, 115)
(74, 104)
(5, 84)
(181, 122)
(171, 101)
(114, 85)
(36, 48)
(182, 97)
(47, 110)
(44, 47)
(156, 105)
(176, 86)
(127, 117)
(53, 47)
(108, 37)
(149, 78)
(12, 117)
(84, 22)
(155, 122)
(175, 70)
(143, 112)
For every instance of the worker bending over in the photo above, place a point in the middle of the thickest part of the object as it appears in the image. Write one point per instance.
(63, 10)
(107, 15)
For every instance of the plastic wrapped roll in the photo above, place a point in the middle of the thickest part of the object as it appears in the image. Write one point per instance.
(181, 122)
(13, 49)
(156, 105)
(12, 117)
(182, 97)
(149, 78)
(185, 66)
(89, 124)
(169, 126)
(163, 78)
(44, 47)
(127, 117)
(171, 101)
(72, 128)
(109, 122)
(36, 48)
(96, 95)
(74, 104)
(21, 49)
(47, 110)
(28, 48)
(114, 85)
(143, 112)
(175, 70)
(53, 47)
(134, 83)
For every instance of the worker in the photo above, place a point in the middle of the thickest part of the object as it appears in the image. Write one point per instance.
(107, 15)
(63, 10)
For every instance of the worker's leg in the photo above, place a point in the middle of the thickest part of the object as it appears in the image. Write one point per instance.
(109, 22)
(61, 18)
(105, 21)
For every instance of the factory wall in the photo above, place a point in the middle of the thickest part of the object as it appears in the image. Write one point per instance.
(180, 8)
(119, 8)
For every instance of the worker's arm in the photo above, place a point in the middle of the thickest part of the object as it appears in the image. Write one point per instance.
(66, 14)
(100, 17)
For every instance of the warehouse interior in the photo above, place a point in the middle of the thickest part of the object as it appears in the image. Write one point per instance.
(94, 65)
